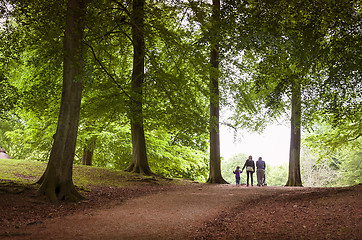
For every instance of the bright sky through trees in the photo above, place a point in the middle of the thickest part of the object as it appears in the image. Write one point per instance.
(272, 145)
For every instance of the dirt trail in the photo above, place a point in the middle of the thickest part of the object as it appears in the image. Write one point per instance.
(166, 215)
(214, 212)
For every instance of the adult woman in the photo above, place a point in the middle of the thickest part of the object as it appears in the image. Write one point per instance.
(250, 169)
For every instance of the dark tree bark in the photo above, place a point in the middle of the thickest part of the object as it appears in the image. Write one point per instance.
(88, 150)
(139, 162)
(57, 182)
(215, 163)
(87, 157)
(294, 177)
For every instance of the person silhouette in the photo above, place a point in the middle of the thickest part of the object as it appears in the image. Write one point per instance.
(250, 169)
(237, 173)
(260, 171)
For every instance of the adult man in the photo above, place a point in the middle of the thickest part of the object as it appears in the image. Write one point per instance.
(260, 172)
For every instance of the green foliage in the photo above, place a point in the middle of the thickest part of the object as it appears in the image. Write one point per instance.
(325, 138)
(175, 161)
(351, 168)
(174, 92)
(176, 86)
(6, 126)
(265, 46)
(332, 162)
(276, 175)
(316, 45)
(113, 147)
(8, 96)
(34, 53)
(31, 137)
(32, 140)
(319, 173)
(166, 158)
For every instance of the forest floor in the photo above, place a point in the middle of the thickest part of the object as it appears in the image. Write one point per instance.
(149, 210)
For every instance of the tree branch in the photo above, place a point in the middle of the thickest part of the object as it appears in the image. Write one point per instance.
(123, 7)
(352, 139)
(105, 70)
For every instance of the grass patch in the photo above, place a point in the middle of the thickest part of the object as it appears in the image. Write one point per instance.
(21, 171)
(28, 172)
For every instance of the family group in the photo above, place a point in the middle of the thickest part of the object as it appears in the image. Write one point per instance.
(250, 169)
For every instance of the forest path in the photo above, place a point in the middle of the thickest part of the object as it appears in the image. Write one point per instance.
(166, 215)
(206, 211)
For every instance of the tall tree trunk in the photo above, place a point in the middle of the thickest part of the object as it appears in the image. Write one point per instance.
(294, 177)
(139, 162)
(215, 163)
(57, 182)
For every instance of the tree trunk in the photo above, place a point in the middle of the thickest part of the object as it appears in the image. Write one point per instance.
(294, 177)
(56, 182)
(87, 156)
(139, 162)
(88, 151)
(215, 163)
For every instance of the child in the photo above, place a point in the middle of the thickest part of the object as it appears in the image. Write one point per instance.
(237, 175)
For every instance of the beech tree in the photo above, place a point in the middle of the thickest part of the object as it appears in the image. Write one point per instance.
(294, 177)
(215, 163)
(139, 162)
(57, 182)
